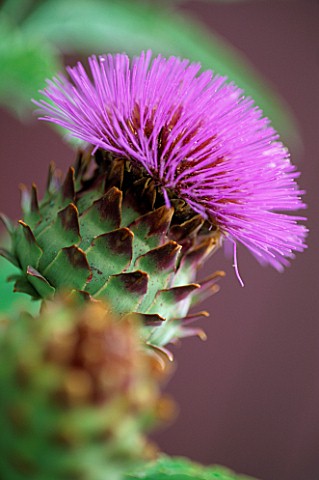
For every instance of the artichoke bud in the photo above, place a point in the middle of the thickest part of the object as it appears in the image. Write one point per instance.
(106, 230)
(77, 394)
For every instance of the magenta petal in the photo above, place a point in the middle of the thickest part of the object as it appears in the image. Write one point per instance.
(196, 135)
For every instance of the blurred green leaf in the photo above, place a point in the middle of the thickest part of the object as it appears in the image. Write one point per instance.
(166, 468)
(17, 10)
(10, 300)
(25, 63)
(98, 26)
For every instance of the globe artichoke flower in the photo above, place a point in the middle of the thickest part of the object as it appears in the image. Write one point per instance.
(175, 163)
(196, 136)
(178, 163)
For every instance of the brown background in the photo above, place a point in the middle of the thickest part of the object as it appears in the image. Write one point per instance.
(249, 396)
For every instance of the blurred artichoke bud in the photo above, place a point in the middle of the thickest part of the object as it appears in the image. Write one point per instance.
(78, 392)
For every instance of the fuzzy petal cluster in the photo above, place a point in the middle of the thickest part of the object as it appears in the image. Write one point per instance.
(196, 135)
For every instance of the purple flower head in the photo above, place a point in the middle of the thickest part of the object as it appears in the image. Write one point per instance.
(196, 135)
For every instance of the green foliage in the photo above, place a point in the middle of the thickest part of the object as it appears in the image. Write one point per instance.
(166, 468)
(9, 298)
(99, 26)
(25, 62)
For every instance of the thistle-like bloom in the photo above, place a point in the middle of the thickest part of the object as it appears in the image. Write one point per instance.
(199, 137)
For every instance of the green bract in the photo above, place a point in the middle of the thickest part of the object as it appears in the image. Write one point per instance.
(105, 231)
